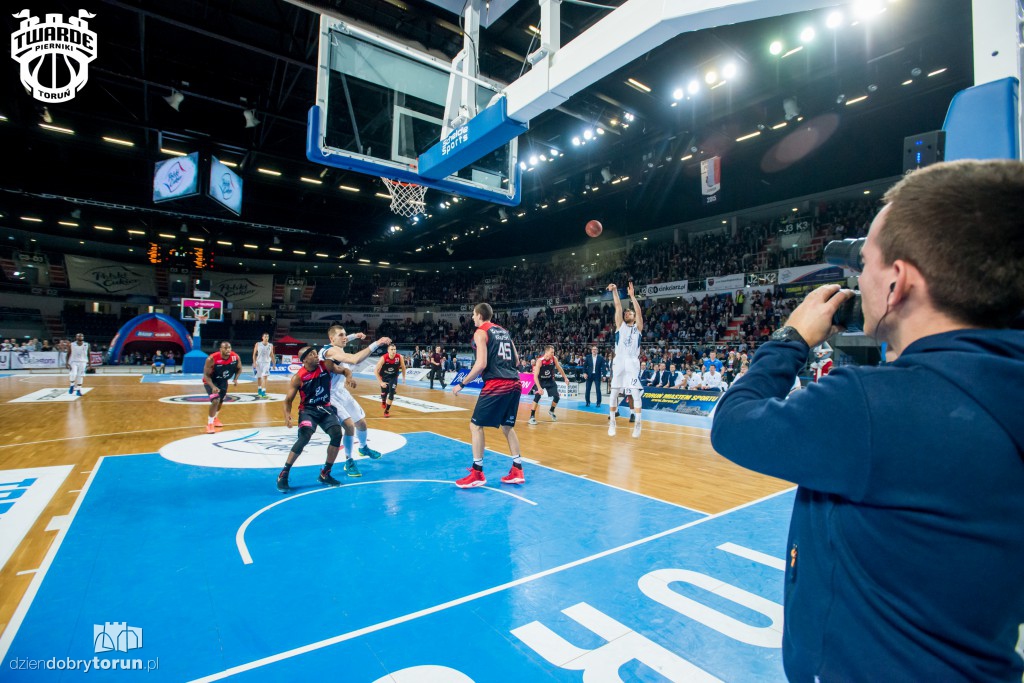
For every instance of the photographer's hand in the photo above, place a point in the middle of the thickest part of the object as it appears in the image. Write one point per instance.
(813, 317)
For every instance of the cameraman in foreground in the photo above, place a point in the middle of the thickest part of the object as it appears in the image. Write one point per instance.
(906, 545)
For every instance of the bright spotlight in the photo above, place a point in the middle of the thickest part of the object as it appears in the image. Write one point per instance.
(693, 87)
(729, 71)
(710, 77)
(576, 141)
(866, 9)
(588, 134)
(834, 20)
(677, 94)
(807, 35)
(533, 161)
(776, 47)
(600, 131)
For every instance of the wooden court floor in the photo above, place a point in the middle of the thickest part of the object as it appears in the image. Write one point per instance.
(122, 415)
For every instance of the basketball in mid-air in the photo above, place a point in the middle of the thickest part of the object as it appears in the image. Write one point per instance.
(594, 228)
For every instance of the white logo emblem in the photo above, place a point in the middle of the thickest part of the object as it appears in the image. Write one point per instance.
(54, 55)
(117, 636)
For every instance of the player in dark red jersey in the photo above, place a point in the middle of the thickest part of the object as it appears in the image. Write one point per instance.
(387, 375)
(221, 366)
(313, 385)
(496, 361)
(544, 380)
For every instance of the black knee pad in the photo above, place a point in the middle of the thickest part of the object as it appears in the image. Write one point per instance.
(305, 434)
(554, 401)
(335, 434)
(536, 397)
(391, 393)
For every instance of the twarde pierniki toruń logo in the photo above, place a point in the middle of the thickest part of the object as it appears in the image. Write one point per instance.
(54, 55)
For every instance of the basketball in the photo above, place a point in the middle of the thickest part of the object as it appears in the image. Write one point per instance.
(594, 228)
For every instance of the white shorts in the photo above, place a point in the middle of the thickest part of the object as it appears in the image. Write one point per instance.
(78, 371)
(626, 375)
(262, 370)
(347, 406)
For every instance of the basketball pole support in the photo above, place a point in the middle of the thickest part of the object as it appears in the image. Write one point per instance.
(559, 72)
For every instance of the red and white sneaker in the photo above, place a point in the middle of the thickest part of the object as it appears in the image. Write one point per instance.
(514, 476)
(474, 478)
(210, 429)
(217, 422)
(387, 414)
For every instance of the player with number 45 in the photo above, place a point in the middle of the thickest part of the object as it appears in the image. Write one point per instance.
(497, 362)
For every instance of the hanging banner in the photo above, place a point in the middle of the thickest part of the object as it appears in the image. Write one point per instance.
(711, 179)
(97, 275)
(248, 290)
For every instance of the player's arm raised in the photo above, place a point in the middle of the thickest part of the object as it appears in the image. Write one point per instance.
(293, 388)
(618, 304)
(637, 315)
(480, 337)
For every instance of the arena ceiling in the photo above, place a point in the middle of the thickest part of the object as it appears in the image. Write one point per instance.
(229, 56)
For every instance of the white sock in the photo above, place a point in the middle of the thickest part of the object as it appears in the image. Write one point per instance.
(346, 441)
(209, 420)
(361, 433)
(638, 418)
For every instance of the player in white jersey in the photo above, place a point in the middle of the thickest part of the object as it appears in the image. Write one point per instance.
(77, 363)
(262, 358)
(351, 414)
(629, 326)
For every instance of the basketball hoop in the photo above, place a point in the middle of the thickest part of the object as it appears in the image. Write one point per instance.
(406, 198)
(201, 316)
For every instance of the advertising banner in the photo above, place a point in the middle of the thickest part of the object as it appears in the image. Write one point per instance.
(664, 289)
(819, 274)
(526, 380)
(29, 360)
(681, 401)
(97, 275)
(726, 283)
(242, 290)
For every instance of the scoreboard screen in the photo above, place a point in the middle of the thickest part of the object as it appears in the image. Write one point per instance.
(196, 257)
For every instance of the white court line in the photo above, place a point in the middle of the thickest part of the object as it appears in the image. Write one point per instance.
(243, 549)
(595, 481)
(27, 571)
(26, 601)
(141, 429)
(75, 491)
(380, 626)
(756, 556)
(57, 523)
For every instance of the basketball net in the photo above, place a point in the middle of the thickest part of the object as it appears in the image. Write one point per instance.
(201, 315)
(406, 198)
